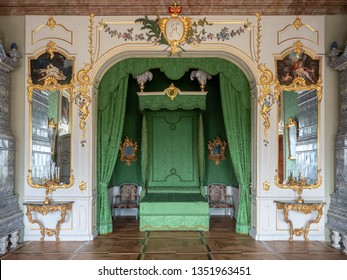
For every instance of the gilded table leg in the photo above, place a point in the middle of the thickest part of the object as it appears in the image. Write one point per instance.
(62, 220)
(315, 221)
(286, 218)
(31, 220)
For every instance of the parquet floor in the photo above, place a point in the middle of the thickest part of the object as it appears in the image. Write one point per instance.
(220, 243)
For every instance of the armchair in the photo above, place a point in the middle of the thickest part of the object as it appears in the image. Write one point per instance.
(128, 198)
(218, 198)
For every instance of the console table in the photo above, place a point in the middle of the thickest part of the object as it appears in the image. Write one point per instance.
(44, 209)
(305, 208)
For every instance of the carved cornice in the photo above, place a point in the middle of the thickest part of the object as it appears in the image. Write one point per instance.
(159, 7)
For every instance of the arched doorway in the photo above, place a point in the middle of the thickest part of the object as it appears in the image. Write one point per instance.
(232, 75)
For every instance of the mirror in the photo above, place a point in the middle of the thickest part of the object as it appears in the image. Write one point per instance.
(50, 94)
(216, 150)
(298, 93)
(292, 135)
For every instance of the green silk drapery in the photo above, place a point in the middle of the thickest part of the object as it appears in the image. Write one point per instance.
(201, 155)
(144, 154)
(110, 128)
(111, 107)
(238, 130)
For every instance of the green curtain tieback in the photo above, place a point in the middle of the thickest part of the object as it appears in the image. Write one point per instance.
(103, 185)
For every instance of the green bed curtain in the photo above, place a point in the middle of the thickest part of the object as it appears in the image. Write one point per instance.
(111, 109)
(238, 130)
(201, 155)
(110, 128)
(144, 155)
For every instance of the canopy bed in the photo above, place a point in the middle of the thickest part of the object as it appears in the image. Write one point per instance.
(172, 150)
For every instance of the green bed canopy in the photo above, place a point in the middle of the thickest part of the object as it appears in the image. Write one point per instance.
(236, 106)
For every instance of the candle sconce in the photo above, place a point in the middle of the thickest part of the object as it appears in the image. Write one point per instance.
(297, 184)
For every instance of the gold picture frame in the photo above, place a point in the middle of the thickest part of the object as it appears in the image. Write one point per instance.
(216, 150)
(128, 150)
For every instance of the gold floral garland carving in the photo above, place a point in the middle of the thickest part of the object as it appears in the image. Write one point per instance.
(83, 99)
(266, 96)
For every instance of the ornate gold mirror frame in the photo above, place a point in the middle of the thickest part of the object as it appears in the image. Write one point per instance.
(216, 150)
(52, 80)
(128, 150)
(298, 83)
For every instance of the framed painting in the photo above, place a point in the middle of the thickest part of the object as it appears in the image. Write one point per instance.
(46, 65)
(296, 65)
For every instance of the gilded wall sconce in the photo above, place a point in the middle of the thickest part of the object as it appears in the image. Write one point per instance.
(216, 150)
(128, 151)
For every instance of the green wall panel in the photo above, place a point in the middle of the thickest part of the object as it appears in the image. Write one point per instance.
(173, 148)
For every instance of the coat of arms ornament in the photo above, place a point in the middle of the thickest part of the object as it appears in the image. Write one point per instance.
(175, 28)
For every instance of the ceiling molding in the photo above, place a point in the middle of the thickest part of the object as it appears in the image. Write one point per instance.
(160, 7)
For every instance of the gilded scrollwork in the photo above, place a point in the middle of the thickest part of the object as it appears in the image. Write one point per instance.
(298, 184)
(299, 84)
(128, 150)
(172, 91)
(82, 186)
(50, 83)
(266, 98)
(51, 48)
(266, 186)
(216, 150)
(297, 23)
(51, 23)
(83, 99)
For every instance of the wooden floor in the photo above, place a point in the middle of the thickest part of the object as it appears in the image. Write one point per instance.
(220, 243)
